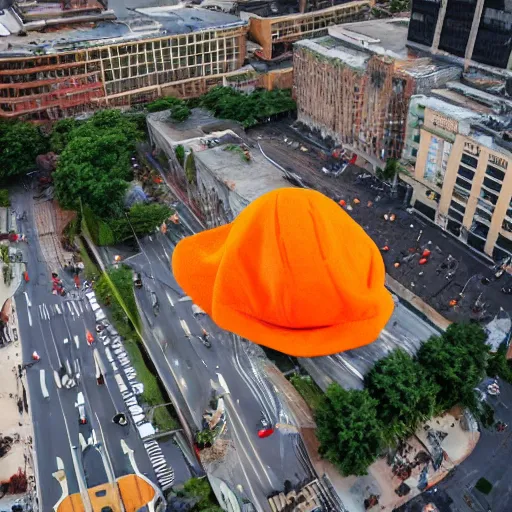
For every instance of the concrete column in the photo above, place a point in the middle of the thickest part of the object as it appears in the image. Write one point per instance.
(475, 188)
(450, 176)
(421, 158)
(499, 212)
(474, 31)
(439, 26)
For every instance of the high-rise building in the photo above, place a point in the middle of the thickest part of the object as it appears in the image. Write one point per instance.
(475, 30)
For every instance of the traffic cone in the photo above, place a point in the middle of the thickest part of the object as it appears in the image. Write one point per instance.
(426, 253)
(423, 261)
(385, 248)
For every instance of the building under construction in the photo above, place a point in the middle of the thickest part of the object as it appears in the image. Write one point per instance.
(84, 56)
(276, 34)
(354, 85)
(475, 30)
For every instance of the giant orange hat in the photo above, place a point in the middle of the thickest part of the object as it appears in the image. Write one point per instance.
(292, 272)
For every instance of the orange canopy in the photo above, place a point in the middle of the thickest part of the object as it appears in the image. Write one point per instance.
(292, 272)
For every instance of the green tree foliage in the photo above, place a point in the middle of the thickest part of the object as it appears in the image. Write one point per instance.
(498, 366)
(456, 361)
(348, 429)
(166, 103)
(4, 198)
(180, 154)
(95, 164)
(199, 488)
(248, 109)
(59, 137)
(190, 168)
(20, 143)
(180, 113)
(144, 218)
(405, 395)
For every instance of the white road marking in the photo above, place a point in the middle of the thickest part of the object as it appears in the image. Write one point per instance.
(76, 309)
(41, 312)
(81, 307)
(68, 368)
(42, 381)
(204, 363)
(29, 304)
(58, 309)
(29, 318)
(169, 299)
(70, 310)
(185, 328)
(185, 299)
(77, 341)
(57, 379)
(222, 382)
(176, 362)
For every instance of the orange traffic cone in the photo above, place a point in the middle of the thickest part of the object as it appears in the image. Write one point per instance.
(90, 337)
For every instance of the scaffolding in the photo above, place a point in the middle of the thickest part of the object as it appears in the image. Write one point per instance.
(365, 108)
(59, 85)
(276, 35)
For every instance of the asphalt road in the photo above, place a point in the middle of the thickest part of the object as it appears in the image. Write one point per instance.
(256, 467)
(45, 321)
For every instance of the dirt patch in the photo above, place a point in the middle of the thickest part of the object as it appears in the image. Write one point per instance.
(48, 224)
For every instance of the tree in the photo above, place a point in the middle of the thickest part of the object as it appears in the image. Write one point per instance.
(405, 395)
(163, 104)
(180, 154)
(95, 170)
(498, 366)
(348, 429)
(61, 130)
(180, 113)
(456, 361)
(190, 168)
(95, 164)
(20, 143)
(205, 437)
(200, 489)
(143, 219)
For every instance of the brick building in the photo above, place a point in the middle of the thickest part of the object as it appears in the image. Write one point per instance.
(354, 85)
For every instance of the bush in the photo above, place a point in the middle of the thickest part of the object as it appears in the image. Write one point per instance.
(59, 136)
(180, 154)
(307, 388)
(248, 109)
(199, 488)
(163, 104)
(498, 366)
(180, 113)
(190, 168)
(484, 486)
(5, 202)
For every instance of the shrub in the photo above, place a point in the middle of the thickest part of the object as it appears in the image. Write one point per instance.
(4, 198)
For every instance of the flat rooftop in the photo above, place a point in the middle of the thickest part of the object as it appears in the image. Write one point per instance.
(386, 36)
(249, 180)
(133, 20)
(355, 43)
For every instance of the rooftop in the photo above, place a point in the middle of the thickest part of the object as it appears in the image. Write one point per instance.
(355, 43)
(47, 28)
(249, 180)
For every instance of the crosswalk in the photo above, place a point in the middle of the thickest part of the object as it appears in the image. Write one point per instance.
(164, 473)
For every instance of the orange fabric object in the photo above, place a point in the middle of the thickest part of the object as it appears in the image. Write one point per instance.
(292, 272)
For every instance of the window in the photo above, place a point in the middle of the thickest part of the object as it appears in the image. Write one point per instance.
(414, 152)
(484, 214)
(479, 229)
(475, 242)
(457, 206)
(507, 225)
(453, 227)
(495, 173)
(504, 243)
(426, 210)
(466, 173)
(493, 185)
(463, 183)
(469, 160)
(455, 215)
(488, 196)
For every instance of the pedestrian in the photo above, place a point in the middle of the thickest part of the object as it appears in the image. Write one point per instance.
(293, 272)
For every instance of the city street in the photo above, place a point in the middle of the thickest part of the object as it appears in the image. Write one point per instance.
(45, 322)
(406, 233)
(256, 467)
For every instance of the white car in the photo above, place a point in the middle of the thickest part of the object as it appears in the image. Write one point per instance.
(80, 405)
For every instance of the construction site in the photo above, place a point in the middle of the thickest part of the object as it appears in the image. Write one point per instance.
(76, 63)
(354, 85)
